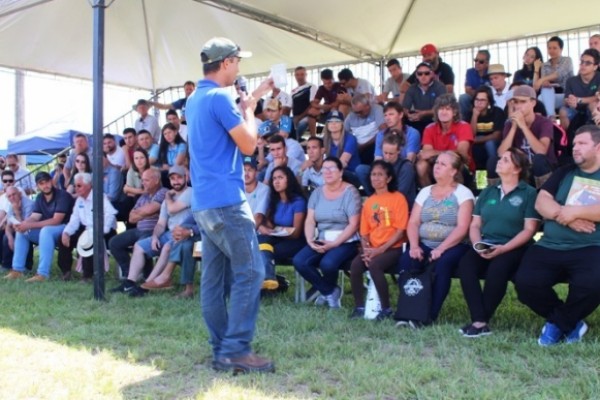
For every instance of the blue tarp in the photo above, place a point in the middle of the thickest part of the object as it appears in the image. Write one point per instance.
(37, 143)
(33, 160)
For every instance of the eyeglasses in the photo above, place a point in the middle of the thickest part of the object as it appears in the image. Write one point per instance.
(425, 73)
(8, 180)
(330, 169)
(586, 63)
(480, 61)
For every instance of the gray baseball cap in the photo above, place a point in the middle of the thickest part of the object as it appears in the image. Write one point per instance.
(219, 48)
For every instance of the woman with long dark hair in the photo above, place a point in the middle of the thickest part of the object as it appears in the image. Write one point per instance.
(140, 163)
(172, 148)
(487, 122)
(82, 164)
(281, 234)
(532, 67)
(383, 223)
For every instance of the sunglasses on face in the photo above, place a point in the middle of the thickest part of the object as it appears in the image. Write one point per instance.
(8, 180)
(423, 73)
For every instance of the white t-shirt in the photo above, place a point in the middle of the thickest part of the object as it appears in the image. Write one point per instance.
(117, 158)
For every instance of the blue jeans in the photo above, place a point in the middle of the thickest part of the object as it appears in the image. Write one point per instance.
(443, 269)
(550, 99)
(146, 244)
(231, 267)
(282, 250)
(363, 173)
(307, 261)
(465, 103)
(182, 253)
(120, 247)
(47, 239)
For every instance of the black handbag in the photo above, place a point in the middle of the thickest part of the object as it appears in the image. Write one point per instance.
(414, 299)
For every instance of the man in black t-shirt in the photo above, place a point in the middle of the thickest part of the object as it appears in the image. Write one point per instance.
(580, 90)
(442, 71)
(44, 227)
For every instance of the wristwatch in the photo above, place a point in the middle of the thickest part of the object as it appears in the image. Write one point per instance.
(579, 100)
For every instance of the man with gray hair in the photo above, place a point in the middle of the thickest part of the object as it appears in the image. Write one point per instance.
(365, 120)
(82, 218)
(145, 215)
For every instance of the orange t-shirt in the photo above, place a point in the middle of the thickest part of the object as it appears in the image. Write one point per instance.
(382, 215)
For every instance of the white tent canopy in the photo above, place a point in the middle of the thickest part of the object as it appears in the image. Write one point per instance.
(155, 43)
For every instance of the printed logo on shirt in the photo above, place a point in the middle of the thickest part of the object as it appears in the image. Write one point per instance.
(515, 201)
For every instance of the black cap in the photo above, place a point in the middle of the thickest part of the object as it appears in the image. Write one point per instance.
(42, 176)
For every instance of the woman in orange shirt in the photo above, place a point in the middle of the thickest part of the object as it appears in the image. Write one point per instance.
(383, 230)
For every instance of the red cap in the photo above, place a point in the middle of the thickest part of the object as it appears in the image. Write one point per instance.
(428, 49)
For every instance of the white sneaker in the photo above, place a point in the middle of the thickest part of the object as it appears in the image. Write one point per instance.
(320, 300)
(333, 299)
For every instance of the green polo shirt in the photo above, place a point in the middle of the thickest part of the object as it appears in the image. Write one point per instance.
(557, 236)
(503, 217)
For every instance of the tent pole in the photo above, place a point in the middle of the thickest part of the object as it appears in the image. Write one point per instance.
(97, 183)
(381, 74)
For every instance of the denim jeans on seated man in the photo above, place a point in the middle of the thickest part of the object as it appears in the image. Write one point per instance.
(47, 239)
(7, 254)
(182, 253)
(146, 244)
(232, 267)
(120, 246)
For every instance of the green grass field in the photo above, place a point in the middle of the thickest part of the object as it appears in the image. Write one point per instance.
(56, 342)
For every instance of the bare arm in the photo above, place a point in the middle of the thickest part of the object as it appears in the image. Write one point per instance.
(463, 149)
(144, 211)
(298, 225)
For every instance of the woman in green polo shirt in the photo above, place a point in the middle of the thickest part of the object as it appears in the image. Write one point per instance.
(505, 217)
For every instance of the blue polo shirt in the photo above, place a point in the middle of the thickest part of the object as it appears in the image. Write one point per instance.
(216, 163)
(350, 146)
(474, 80)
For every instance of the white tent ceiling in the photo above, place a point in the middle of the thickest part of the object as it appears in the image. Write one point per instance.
(156, 43)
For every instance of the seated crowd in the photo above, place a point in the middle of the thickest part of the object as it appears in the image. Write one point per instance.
(412, 151)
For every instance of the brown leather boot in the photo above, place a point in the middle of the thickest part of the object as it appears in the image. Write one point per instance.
(244, 364)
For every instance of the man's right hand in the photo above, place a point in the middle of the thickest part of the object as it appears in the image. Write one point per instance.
(66, 240)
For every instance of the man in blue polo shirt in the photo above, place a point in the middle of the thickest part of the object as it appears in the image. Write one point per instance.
(218, 137)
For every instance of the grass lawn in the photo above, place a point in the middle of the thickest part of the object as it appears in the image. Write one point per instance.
(56, 342)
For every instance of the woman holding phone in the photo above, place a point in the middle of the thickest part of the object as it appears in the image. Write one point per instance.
(505, 219)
